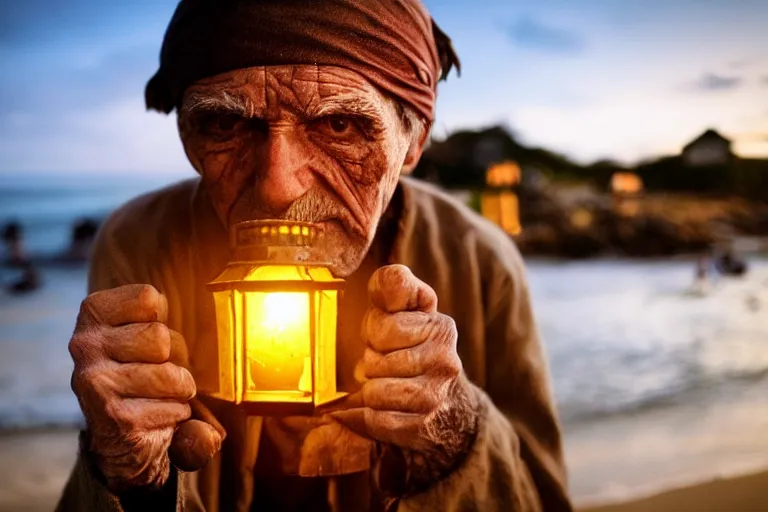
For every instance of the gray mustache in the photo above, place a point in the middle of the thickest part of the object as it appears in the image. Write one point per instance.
(315, 206)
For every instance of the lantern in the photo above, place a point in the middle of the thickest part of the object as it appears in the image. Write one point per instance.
(276, 311)
(499, 203)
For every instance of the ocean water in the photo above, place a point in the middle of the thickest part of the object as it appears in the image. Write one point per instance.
(651, 381)
(48, 205)
(626, 336)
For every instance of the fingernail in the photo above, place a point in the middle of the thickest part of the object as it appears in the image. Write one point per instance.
(359, 373)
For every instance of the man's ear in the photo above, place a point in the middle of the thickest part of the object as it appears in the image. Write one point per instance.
(415, 150)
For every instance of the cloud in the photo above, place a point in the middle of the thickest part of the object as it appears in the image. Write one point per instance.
(740, 64)
(44, 87)
(752, 147)
(764, 80)
(710, 82)
(533, 34)
(633, 125)
(86, 111)
(119, 136)
(754, 136)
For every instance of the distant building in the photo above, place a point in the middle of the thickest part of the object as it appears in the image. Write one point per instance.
(710, 148)
(534, 178)
(487, 150)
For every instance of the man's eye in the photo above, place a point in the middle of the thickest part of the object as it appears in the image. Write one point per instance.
(221, 126)
(227, 123)
(338, 126)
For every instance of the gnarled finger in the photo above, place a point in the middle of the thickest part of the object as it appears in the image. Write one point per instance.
(416, 395)
(399, 428)
(386, 332)
(400, 363)
(179, 354)
(133, 303)
(436, 357)
(394, 288)
(138, 343)
(144, 415)
(159, 381)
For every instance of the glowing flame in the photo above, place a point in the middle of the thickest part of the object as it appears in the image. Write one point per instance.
(278, 341)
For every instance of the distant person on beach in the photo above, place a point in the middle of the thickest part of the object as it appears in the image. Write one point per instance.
(701, 282)
(13, 238)
(83, 235)
(317, 113)
(28, 282)
(702, 268)
(730, 265)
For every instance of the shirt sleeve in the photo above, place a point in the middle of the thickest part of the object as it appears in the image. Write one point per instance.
(86, 491)
(516, 461)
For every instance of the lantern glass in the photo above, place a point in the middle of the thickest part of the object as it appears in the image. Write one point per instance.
(228, 340)
(325, 369)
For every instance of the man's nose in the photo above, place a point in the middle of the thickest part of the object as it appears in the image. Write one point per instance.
(285, 173)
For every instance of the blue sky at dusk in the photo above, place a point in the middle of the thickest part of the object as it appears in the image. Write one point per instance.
(626, 79)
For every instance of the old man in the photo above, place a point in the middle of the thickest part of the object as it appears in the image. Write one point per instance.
(312, 111)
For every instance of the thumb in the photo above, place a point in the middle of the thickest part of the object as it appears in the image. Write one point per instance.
(196, 440)
(193, 445)
(355, 420)
(394, 288)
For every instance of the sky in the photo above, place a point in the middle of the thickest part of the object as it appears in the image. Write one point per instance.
(591, 79)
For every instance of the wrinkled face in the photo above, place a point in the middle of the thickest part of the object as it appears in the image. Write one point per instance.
(309, 143)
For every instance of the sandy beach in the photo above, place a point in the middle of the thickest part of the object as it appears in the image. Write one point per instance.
(35, 466)
(742, 494)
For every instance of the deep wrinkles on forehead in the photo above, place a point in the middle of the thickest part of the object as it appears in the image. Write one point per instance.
(304, 91)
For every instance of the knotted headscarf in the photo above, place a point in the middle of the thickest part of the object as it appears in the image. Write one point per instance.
(395, 44)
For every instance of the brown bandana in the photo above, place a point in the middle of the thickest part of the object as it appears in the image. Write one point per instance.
(393, 43)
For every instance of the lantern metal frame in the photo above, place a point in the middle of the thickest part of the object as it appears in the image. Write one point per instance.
(274, 243)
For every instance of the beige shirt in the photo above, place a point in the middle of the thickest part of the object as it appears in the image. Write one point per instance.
(172, 240)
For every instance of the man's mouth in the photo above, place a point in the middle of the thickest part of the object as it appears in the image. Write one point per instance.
(331, 224)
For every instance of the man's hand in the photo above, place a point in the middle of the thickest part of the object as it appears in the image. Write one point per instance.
(415, 396)
(132, 395)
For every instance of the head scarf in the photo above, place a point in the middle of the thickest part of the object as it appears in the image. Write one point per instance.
(395, 44)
